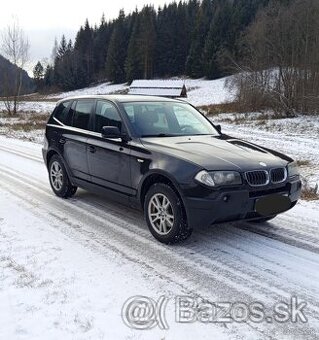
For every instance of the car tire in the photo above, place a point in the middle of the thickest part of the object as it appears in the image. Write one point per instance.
(165, 214)
(59, 179)
(263, 220)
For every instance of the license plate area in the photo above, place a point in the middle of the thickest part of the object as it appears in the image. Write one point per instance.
(272, 204)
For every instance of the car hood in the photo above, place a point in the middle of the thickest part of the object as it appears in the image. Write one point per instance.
(215, 153)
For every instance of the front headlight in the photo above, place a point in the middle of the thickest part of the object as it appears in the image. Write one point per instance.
(218, 178)
(293, 169)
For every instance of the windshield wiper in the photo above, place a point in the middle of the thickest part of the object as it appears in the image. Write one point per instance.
(160, 135)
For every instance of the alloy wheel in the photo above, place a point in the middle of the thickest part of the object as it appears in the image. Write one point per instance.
(56, 175)
(161, 214)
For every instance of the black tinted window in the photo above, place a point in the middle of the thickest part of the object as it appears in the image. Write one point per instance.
(61, 112)
(81, 115)
(106, 115)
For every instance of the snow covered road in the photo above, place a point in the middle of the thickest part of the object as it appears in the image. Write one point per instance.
(68, 266)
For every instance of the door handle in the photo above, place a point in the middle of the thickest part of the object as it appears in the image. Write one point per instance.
(62, 141)
(92, 149)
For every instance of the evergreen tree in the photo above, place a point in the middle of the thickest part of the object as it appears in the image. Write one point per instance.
(117, 50)
(54, 51)
(101, 42)
(49, 77)
(216, 40)
(84, 53)
(62, 48)
(166, 40)
(195, 62)
(38, 74)
(183, 31)
(133, 63)
(65, 70)
(147, 40)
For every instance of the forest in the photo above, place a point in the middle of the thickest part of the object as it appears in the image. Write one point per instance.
(271, 46)
(193, 38)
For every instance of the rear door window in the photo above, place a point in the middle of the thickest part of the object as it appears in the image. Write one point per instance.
(82, 113)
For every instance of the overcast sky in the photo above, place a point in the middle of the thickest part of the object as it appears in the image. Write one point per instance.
(44, 20)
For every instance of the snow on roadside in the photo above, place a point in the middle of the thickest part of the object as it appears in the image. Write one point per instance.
(53, 287)
(26, 126)
(35, 136)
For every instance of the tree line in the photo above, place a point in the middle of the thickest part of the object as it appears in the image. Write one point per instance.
(193, 38)
(271, 45)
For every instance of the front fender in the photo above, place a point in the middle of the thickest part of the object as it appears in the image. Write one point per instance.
(161, 173)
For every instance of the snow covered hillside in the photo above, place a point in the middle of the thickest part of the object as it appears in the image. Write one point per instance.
(105, 88)
(199, 91)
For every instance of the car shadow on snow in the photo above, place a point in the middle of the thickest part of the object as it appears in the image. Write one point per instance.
(213, 235)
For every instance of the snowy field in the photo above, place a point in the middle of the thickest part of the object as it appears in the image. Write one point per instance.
(207, 92)
(199, 91)
(33, 106)
(105, 88)
(297, 137)
(67, 267)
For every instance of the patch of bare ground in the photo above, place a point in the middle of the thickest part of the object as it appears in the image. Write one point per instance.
(308, 192)
(215, 109)
(25, 121)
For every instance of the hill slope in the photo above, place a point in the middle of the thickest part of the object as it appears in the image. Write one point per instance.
(8, 71)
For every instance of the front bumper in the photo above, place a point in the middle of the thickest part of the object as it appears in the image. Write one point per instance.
(232, 205)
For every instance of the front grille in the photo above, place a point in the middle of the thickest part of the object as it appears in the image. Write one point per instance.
(278, 175)
(257, 178)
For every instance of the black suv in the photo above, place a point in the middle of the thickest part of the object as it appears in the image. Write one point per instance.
(166, 157)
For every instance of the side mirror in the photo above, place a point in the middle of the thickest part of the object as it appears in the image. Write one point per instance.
(114, 132)
(218, 128)
(111, 132)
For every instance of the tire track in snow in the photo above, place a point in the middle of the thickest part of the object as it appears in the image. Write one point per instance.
(204, 274)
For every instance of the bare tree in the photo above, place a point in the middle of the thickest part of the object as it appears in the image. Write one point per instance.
(15, 47)
(280, 69)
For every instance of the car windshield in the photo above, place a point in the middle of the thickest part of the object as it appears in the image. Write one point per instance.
(167, 119)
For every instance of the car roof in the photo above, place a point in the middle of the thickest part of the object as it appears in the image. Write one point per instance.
(123, 98)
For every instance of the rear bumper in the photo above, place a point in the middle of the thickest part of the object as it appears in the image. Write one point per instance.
(227, 206)
(44, 155)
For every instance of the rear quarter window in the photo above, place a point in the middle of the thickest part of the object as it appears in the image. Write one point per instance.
(61, 112)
